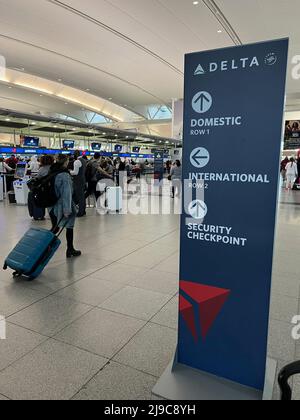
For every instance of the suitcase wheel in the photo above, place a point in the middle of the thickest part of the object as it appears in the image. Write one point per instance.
(16, 274)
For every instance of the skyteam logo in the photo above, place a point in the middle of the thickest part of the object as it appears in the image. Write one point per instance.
(271, 59)
(199, 71)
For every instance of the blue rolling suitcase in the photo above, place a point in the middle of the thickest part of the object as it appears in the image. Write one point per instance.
(33, 253)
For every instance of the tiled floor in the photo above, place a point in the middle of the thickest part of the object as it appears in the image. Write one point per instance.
(105, 326)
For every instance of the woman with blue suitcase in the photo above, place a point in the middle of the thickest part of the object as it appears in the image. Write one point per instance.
(34, 251)
(65, 209)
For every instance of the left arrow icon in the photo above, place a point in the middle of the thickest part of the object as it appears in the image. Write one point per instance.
(200, 157)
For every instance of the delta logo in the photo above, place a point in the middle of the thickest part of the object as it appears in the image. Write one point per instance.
(200, 306)
(243, 63)
(199, 70)
(227, 65)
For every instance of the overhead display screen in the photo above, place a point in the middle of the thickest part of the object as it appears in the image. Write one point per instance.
(31, 141)
(96, 147)
(68, 144)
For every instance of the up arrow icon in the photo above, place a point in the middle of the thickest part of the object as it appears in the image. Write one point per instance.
(198, 209)
(202, 102)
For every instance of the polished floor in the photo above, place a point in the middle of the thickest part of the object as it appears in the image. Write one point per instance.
(105, 326)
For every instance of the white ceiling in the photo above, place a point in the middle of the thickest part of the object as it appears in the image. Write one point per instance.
(133, 50)
(257, 20)
(141, 46)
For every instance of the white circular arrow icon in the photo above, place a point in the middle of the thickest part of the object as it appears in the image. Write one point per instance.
(200, 157)
(202, 102)
(198, 209)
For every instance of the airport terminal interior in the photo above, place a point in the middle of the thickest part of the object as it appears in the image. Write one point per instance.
(95, 89)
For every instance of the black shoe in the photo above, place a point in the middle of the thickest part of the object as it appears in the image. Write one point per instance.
(73, 253)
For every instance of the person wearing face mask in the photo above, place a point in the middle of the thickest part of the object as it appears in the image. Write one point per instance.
(63, 214)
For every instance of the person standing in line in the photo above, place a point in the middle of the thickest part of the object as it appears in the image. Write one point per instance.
(79, 180)
(12, 163)
(291, 173)
(46, 162)
(4, 167)
(34, 165)
(63, 214)
(283, 169)
(94, 173)
(91, 176)
(110, 167)
(4, 170)
(176, 178)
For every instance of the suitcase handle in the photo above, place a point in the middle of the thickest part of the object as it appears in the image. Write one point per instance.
(57, 227)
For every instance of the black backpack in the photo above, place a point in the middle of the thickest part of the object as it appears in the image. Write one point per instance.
(91, 171)
(43, 190)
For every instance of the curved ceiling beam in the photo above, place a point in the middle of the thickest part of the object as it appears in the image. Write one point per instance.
(74, 60)
(32, 105)
(219, 15)
(115, 32)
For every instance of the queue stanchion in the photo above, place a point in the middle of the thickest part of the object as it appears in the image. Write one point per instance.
(5, 185)
(2, 182)
(284, 377)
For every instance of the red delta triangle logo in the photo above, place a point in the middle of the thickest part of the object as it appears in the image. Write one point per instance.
(200, 305)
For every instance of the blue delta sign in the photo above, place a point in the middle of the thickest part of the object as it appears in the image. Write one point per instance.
(233, 119)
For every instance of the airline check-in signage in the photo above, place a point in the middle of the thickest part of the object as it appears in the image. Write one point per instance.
(233, 125)
(159, 164)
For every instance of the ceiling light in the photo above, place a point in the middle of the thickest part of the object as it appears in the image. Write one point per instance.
(7, 119)
(110, 99)
(220, 31)
(195, 3)
(9, 87)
